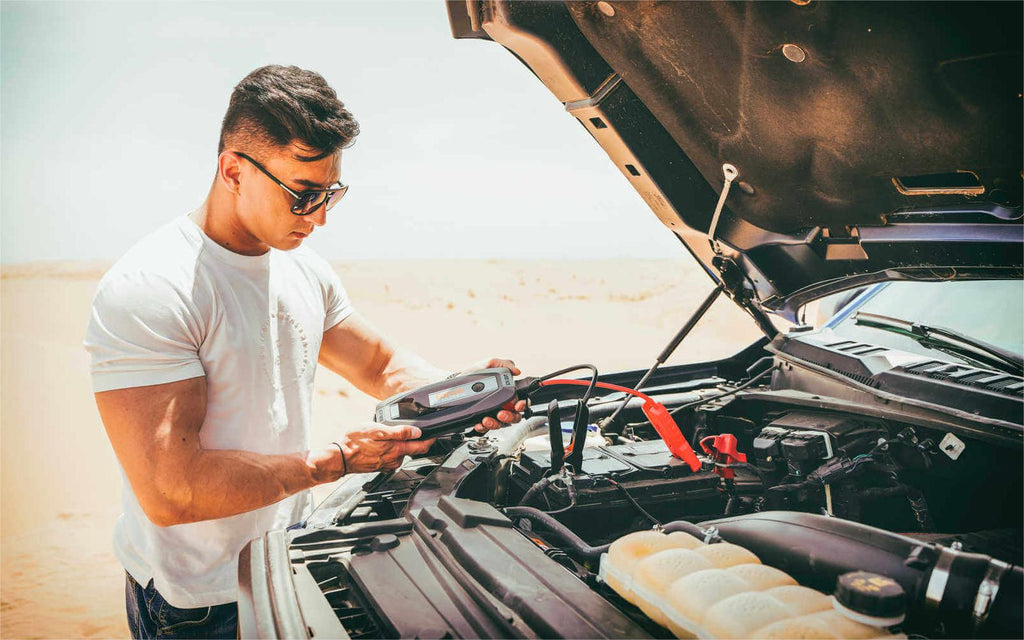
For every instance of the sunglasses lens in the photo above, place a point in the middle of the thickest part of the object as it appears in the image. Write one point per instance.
(307, 202)
(310, 201)
(334, 196)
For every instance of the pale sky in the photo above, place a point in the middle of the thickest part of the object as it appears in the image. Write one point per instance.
(111, 113)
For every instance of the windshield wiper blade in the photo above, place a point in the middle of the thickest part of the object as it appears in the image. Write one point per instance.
(945, 339)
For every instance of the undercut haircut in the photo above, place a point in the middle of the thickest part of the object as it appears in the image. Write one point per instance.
(276, 105)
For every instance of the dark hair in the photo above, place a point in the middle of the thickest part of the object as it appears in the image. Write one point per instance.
(275, 105)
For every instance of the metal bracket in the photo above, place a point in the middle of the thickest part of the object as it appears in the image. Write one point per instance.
(730, 174)
(598, 96)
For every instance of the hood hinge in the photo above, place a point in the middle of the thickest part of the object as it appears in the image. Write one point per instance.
(732, 279)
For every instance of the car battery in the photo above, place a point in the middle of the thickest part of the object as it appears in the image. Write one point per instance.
(646, 472)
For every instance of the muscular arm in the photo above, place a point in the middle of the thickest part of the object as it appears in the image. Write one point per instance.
(355, 350)
(155, 434)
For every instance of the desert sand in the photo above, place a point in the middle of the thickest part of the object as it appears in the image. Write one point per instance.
(60, 484)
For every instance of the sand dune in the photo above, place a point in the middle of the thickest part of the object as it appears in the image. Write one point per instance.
(59, 490)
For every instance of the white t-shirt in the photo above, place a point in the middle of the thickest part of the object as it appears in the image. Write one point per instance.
(180, 306)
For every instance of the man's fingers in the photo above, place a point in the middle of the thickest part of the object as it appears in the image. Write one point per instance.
(407, 448)
(509, 417)
(504, 362)
(502, 419)
(416, 447)
(403, 432)
(487, 424)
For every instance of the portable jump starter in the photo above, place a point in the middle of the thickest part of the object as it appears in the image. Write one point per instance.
(453, 405)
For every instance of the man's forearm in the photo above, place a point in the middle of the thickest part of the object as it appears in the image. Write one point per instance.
(222, 483)
(406, 370)
(361, 354)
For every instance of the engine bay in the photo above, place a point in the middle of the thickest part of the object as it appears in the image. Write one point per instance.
(814, 475)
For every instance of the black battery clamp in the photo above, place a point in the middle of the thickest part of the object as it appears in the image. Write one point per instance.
(455, 404)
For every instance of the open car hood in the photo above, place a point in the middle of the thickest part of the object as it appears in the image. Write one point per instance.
(872, 141)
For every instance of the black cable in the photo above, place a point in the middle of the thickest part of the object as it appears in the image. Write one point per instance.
(634, 502)
(593, 378)
(570, 488)
(741, 387)
(748, 467)
(572, 503)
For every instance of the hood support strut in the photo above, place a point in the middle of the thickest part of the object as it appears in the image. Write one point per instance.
(668, 350)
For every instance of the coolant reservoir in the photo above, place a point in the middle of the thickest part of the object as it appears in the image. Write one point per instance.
(721, 591)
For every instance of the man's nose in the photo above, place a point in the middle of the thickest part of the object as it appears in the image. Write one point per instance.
(319, 217)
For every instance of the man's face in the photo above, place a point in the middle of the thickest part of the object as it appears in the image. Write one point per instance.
(264, 209)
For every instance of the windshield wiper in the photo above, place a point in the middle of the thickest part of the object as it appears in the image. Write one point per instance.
(946, 340)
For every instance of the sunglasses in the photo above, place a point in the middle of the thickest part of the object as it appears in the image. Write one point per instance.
(306, 202)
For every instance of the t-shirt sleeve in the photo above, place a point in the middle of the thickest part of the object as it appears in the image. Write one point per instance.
(142, 332)
(336, 299)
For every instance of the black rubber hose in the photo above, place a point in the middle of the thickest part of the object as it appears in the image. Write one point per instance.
(563, 533)
(538, 486)
(690, 528)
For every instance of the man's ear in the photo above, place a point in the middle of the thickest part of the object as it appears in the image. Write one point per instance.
(229, 167)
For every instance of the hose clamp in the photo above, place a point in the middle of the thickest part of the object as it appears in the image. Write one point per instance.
(939, 578)
(710, 534)
(987, 591)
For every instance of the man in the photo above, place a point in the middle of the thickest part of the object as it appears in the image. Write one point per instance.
(204, 340)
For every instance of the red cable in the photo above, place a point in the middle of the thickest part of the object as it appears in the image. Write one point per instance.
(656, 412)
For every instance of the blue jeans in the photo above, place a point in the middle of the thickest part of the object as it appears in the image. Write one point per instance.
(150, 616)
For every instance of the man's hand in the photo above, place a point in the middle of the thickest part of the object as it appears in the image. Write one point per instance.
(504, 417)
(379, 447)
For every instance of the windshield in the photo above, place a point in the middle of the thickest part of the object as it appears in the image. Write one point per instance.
(988, 310)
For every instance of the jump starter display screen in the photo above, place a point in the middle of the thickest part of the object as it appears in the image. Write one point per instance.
(455, 394)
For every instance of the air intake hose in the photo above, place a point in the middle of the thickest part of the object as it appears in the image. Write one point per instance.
(954, 593)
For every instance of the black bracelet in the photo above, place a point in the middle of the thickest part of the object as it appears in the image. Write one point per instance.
(344, 465)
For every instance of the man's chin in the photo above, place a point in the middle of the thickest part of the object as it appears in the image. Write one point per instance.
(291, 241)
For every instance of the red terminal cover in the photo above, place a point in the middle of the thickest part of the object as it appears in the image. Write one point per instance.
(722, 449)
